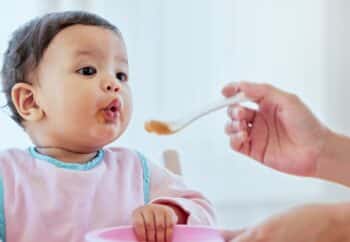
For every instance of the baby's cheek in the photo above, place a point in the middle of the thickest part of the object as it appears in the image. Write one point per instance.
(100, 118)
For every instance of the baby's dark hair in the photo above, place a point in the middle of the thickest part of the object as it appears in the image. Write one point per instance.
(29, 42)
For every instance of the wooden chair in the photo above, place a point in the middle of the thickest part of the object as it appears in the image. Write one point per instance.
(171, 161)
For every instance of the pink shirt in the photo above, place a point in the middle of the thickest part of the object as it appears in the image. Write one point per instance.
(43, 199)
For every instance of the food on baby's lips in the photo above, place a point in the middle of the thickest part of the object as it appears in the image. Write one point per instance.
(157, 127)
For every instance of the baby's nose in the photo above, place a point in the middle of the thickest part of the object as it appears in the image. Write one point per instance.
(112, 86)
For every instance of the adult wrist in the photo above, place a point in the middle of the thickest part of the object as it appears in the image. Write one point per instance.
(325, 163)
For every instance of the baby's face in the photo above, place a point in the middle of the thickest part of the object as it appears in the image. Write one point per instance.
(83, 88)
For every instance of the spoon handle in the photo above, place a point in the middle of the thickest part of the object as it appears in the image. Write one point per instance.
(214, 106)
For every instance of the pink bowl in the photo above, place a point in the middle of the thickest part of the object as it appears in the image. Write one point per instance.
(182, 233)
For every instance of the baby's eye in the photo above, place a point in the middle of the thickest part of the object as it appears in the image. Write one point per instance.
(121, 76)
(87, 71)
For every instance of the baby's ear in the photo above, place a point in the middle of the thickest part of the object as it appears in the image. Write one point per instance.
(23, 97)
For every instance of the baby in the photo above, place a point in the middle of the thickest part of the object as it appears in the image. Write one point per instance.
(65, 76)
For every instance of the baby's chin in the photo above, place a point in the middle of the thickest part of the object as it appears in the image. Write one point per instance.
(104, 137)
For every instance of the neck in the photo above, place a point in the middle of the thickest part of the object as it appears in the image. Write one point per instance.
(66, 155)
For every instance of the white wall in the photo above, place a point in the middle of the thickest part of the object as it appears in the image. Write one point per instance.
(182, 51)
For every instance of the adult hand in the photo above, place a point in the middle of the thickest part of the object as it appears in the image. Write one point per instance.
(282, 134)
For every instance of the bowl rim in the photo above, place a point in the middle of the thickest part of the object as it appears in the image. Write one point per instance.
(94, 233)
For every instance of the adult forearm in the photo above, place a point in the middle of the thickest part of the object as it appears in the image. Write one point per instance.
(334, 161)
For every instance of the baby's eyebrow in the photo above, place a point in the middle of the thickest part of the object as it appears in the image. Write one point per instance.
(119, 58)
(84, 52)
(122, 59)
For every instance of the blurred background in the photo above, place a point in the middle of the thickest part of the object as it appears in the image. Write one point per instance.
(182, 52)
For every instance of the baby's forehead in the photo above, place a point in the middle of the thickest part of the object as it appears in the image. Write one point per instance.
(90, 41)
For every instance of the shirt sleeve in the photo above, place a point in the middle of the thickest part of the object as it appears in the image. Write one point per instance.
(168, 188)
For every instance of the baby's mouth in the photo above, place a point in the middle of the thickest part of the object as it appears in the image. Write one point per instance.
(112, 111)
